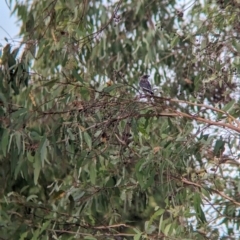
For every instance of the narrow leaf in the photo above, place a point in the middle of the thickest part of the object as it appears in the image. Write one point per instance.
(93, 173)
(110, 88)
(37, 169)
(88, 139)
(43, 149)
(4, 141)
(137, 236)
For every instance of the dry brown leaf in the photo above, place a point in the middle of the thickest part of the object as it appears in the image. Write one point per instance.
(188, 81)
(156, 149)
(109, 82)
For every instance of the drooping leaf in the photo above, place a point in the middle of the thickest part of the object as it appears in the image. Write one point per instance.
(4, 141)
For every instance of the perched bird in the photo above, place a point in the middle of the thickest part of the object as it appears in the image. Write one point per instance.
(145, 84)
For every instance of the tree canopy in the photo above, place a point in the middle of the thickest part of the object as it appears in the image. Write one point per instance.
(85, 154)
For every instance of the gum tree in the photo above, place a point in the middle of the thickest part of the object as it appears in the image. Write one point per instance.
(85, 154)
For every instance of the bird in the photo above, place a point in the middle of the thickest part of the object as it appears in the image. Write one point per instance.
(145, 84)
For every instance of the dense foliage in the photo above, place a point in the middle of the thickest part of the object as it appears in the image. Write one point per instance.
(85, 154)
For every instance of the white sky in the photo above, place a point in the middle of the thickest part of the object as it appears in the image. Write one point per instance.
(8, 24)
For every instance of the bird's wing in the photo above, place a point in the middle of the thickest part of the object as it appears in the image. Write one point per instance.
(146, 86)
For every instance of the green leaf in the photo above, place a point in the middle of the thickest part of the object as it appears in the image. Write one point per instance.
(88, 139)
(139, 174)
(160, 225)
(37, 169)
(30, 23)
(31, 197)
(3, 97)
(6, 53)
(44, 226)
(51, 83)
(35, 136)
(159, 212)
(19, 167)
(202, 215)
(150, 179)
(228, 106)
(93, 173)
(70, 134)
(206, 193)
(23, 236)
(43, 149)
(4, 141)
(236, 44)
(174, 41)
(137, 236)
(90, 238)
(110, 88)
(167, 228)
(36, 234)
(219, 146)
(198, 209)
(18, 137)
(77, 76)
(15, 52)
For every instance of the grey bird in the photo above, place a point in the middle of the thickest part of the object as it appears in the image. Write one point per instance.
(145, 84)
